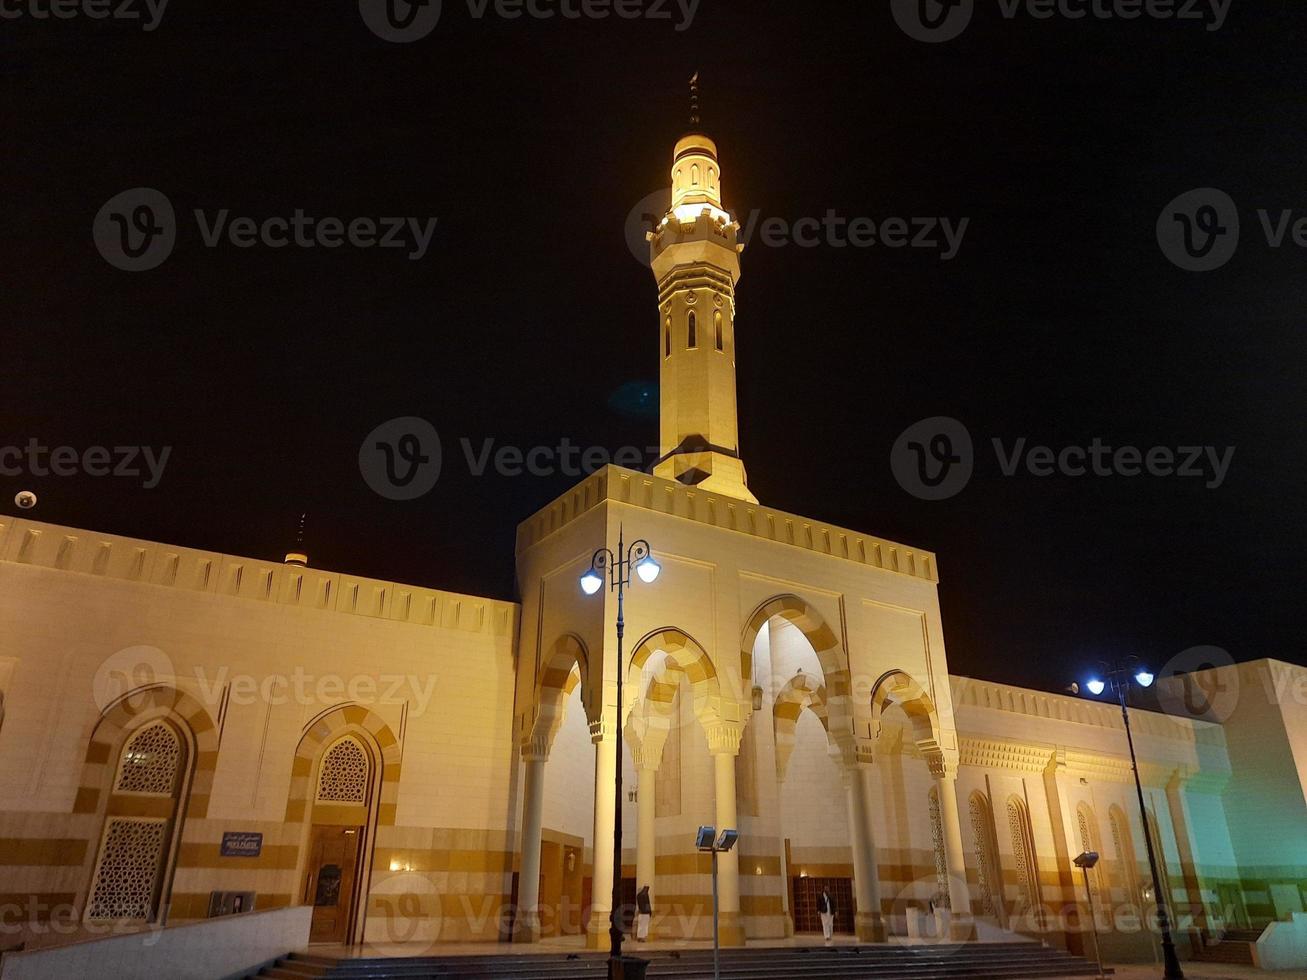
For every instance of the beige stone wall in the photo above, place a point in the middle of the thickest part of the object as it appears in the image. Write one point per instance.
(262, 653)
(265, 665)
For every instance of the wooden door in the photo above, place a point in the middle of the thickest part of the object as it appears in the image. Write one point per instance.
(333, 863)
(804, 894)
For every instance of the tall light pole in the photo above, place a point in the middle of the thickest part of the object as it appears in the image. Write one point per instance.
(1119, 674)
(707, 840)
(618, 567)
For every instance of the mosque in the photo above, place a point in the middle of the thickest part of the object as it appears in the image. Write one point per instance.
(185, 733)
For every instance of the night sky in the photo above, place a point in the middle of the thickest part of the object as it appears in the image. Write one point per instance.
(1060, 320)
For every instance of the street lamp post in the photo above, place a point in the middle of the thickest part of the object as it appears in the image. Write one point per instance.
(618, 567)
(707, 840)
(1118, 675)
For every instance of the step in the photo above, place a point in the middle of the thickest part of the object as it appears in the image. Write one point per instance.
(978, 961)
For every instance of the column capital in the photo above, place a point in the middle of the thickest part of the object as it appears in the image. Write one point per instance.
(534, 751)
(943, 765)
(647, 754)
(724, 737)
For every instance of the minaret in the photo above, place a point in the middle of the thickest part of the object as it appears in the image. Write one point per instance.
(696, 261)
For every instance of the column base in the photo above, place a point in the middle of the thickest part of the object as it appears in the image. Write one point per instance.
(596, 936)
(526, 929)
(789, 926)
(730, 929)
(870, 927)
(961, 928)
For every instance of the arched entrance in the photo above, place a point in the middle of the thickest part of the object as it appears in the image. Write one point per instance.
(345, 778)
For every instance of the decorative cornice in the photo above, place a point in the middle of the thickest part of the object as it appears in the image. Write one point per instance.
(613, 483)
(76, 551)
(989, 753)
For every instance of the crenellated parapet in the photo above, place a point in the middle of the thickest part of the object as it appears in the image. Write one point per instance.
(657, 495)
(110, 556)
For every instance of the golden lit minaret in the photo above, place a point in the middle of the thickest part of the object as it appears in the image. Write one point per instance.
(696, 261)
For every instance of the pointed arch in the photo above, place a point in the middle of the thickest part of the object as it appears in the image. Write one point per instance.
(800, 692)
(985, 853)
(323, 732)
(824, 641)
(683, 654)
(900, 688)
(147, 772)
(1023, 853)
(564, 666)
(1087, 830)
(131, 711)
(1123, 844)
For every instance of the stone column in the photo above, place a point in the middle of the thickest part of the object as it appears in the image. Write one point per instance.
(646, 843)
(646, 743)
(528, 879)
(866, 875)
(1178, 805)
(601, 891)
(959, 894)
(724, 743)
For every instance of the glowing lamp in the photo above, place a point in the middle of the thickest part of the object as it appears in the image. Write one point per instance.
(1144, 678)
(1096, 687)
(591, 582)
(648, 570)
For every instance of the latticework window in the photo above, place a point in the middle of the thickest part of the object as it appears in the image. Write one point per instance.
(151, 762)
(345, 772)
(128, 872)
(980, 842)
(937, 838)
(1087, 844)
(1125, 858)
(1021, 851)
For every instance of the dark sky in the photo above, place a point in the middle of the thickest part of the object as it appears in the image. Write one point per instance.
(1060, 320)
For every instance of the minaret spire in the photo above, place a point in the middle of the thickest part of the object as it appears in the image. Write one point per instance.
(695, 255)
(298, 556)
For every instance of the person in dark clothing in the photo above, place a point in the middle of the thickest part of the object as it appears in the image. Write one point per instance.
(644, 910)
(826, 909)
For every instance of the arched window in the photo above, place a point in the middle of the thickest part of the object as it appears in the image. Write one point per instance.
(135, 851)
(345, 773)
(1023, 853)
(982, 846)
(1125, 854)
(937, 838)
(1088, 827)
(712, 178)
(717, 324)
(694, 175)
(667, 338)
(692, 331)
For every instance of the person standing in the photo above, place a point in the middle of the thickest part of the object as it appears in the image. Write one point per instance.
(644, 913)
(826, 909)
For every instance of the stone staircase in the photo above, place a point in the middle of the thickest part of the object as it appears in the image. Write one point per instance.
(884, 962)
(1236, 946)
